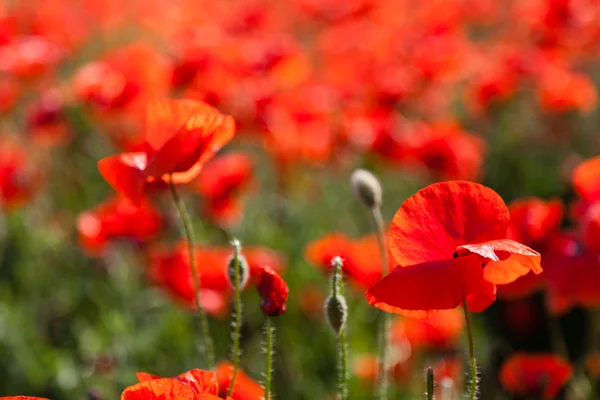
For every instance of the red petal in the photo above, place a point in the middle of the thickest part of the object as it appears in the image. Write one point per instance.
(244, 388)
(125, 173)
(144, 376)
(483, 297)
(510, 259)
(164, 118)
(200, 380)
(586, 179)
(159, 389)
(436, 285)
(433, 222)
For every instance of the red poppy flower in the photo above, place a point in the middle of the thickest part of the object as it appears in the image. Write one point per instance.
(362, 260)
(586, 179)
(180, 136)
(244, 388)
(127, 76)
(561, 90)
(46, 119)
(221, 182)
(192, 385)
(19, 179)
(117, 218)
(170, 270)
(437, 331)
(535, 375)
(28, 57)
(450, 242)
(273, 292)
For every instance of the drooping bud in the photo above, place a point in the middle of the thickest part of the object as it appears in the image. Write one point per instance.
(273, 292)
(366, 188)
(237, 262)
(336, 308)
(430, 383)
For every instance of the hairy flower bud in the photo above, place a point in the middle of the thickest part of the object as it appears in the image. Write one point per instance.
(336, 308)
(273, 292)
(366, 188)
(336, 312)
(237, 260)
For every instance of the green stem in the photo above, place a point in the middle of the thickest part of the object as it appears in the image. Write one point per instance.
(201, 317)
(237, 328)
(343, 369)
(430, 383)
(473, 389)
(384, 328)
(269, 341)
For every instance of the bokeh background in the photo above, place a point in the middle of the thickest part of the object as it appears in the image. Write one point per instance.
(502, 93)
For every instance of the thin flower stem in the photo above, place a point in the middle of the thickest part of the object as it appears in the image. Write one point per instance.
(473, 389)
(201, 317)
(237, 316)
(343, 369)
(384, 328)
(269, 342)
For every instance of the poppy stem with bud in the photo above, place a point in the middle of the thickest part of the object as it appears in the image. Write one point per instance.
(367, 189)
(336, 312)
(269, 342)
(207, 347)
(473, 360)
(234, 270)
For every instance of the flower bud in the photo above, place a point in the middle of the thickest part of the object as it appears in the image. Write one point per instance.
(336, 312)
(366, 188)
(237, 260)
(336, 308)
(273, 292)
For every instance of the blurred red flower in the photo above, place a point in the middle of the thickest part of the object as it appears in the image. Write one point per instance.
(46, 121)
(19, 179)
(450, 242)
(362, 259)
(117, 218)
(437, 331)
(535, 375)
(180, 136)
(192, 385)
(221, 182)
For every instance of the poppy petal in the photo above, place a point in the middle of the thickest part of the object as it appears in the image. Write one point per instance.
(159, 389)
(165, 118)
(509, 259)
(200, 380)
(436, 285)
(483, 297)
(125, 173)
(433, 222)
(586, 179)
(144, 376)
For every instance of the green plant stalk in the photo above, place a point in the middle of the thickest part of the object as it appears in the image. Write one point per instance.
(338, 288)
(237, 317)
(473, 388)
(201, 317)
(430, 383)
(384, 328)
(269, 342)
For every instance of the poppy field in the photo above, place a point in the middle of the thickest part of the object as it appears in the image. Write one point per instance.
(303, 199)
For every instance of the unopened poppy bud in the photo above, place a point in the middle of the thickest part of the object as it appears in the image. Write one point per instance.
(336, 311)
(336, 308)
(237, 260)
(366, 188)
(273, 292)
